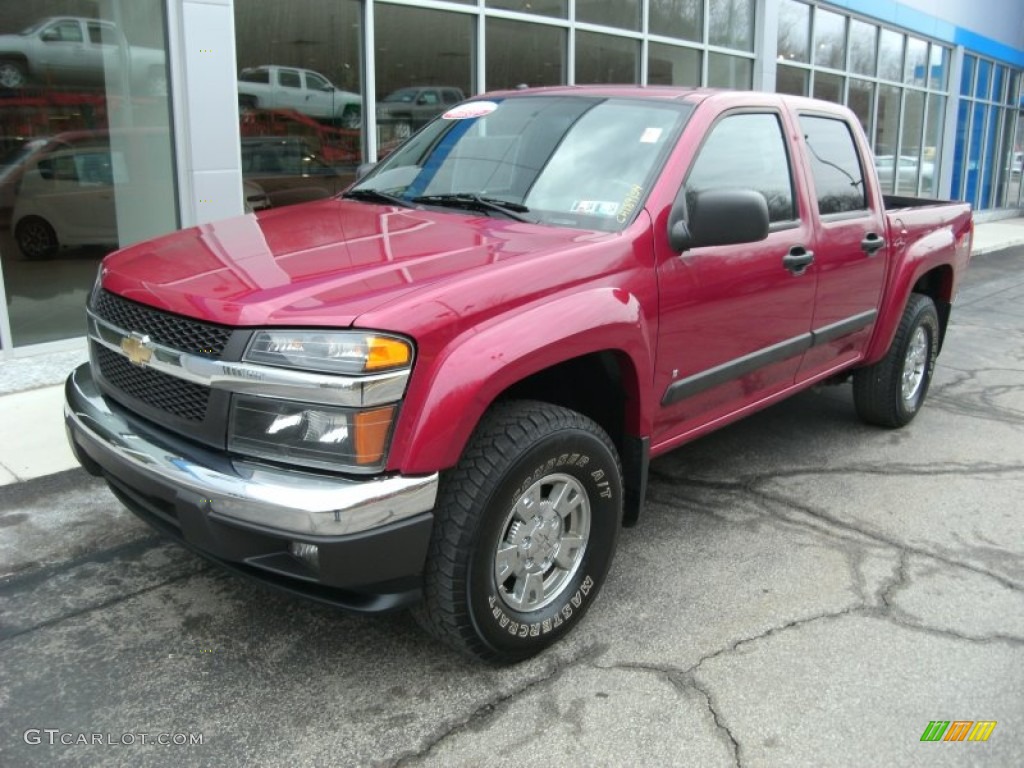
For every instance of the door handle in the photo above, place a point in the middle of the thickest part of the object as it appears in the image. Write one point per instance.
(872, 243)
(798, 259)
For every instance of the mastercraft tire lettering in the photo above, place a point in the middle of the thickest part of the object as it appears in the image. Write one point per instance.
(525, 532)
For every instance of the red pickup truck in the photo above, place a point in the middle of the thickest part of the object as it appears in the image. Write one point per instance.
(442, 388)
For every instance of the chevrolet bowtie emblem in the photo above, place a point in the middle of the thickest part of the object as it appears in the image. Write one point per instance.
(137, 348)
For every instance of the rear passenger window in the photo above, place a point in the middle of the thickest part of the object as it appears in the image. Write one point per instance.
(746, 151)
(838, 176)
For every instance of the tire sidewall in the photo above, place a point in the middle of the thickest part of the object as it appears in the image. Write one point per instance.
(584, 457)
(927, 318)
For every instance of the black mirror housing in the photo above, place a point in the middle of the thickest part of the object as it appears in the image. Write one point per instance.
(719, 217)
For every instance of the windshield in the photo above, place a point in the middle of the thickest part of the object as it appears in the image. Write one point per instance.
(402, 94)
(572, 161)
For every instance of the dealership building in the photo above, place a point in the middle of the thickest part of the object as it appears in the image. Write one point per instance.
(121, 120)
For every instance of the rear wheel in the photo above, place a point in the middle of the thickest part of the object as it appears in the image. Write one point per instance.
(891, 392)
(525, 531)
(13, 74)
(36, 238)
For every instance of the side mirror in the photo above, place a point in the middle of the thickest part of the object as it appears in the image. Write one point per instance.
(364, 168)
(719, 217)
(50, 36)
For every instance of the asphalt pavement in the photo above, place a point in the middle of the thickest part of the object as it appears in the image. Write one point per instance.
(802, 590)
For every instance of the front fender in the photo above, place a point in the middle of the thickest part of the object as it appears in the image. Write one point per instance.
(445, 403)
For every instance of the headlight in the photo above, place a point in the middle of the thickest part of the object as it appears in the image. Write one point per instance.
(351, 352)
(311, 435)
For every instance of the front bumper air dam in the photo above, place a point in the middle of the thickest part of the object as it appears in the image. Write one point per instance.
(371, 534)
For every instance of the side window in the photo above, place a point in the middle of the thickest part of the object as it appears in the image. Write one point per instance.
(838, 176)
(429, 97)
(316, 83)
(65, 32)
(747, 151)
(289, 78)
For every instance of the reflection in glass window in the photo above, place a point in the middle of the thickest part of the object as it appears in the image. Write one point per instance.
(746, 151)
(982, 82)
(998, 80)
(683, 19)
(300, 107)
(938, 67)
(554, 8)
(88, 164)
(916, 71)
(521, 53)
(419, 52)
(828, 87)
(624, 14)
(990, 161)
(967, 75)
(1003, 159)
(673, 65)
(791, 80)
(731, 24)
(863, 38)
(890, 55)
(829, 39)
(932, 150)
(729, 72)
(838, 176)
(794, 31)
(606, 59)
(910, 164)
(861, 101)
(886, 136)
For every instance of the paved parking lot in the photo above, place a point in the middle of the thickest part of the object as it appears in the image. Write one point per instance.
(802, 590)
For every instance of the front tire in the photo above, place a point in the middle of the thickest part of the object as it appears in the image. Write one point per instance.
(525, 530)
(891, 392)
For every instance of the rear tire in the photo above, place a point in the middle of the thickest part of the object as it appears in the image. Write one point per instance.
(13, 74)
(36, 238)
(525, 530)
(891, 392)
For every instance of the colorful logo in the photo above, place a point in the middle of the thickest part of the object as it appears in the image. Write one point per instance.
(958, 730)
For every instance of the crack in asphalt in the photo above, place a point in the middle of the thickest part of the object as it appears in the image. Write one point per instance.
(683, 680)
(750, 487)
(8, 635)
(493, 705)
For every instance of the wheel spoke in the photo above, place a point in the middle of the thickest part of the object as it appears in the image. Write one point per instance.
(568, 501)
(506, 562)
(529, 591)
(568, 551)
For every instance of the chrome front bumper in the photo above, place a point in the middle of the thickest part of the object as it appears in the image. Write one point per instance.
(289, 501)
(246, 514)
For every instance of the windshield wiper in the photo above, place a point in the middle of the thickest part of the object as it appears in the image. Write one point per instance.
(376, 196)
(472, 200)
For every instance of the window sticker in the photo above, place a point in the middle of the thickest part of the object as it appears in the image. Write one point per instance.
(470, 110)
(595, 207)
(651, 136)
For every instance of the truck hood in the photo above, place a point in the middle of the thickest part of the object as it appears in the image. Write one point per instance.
(319, 264)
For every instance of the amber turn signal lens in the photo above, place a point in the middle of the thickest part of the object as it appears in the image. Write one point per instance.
(384, 353)
(371, 433)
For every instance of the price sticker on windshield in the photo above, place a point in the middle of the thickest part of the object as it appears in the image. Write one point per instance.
(470, 110)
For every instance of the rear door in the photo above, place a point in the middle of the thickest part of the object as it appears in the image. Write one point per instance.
(850, 249)
(735, 320)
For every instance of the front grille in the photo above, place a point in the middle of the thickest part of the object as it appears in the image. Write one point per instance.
(163, 327)
(175, 396)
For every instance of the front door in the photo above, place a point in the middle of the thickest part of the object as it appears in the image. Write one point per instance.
(735, 320)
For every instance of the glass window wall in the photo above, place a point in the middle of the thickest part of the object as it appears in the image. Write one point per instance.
(87, 164)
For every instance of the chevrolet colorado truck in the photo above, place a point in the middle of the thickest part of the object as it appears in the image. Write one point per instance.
(442, 388)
